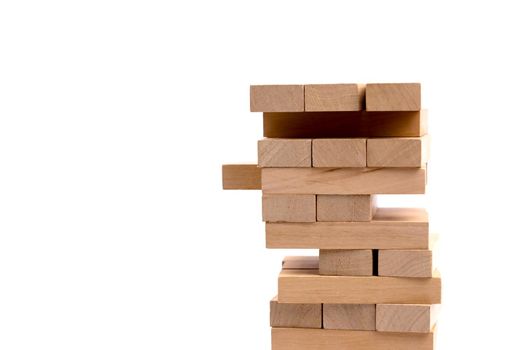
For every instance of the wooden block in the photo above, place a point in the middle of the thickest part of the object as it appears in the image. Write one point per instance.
(344, 180)
(285, 153)
(334, 97)
(345, 124)
(345, 262)
(289, 207)
(358, 317)
(340, 153)
(346, 207)
(397, 152)
(393, 97)
(301, 262)
(277, 98)
(241, 177)
(391, 228)
(329, 339)
(405, 263)
(307, 286)
(295, 315)
(406, 318)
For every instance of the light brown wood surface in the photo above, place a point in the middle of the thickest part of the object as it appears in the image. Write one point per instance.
(333, 97)
(393, 97)
(344, 180)
(358, 317)
(397, 152)
(405, 263)
(391, 228)
(289, 208)
(241, 177)
(345, 207)
(295, 315)
(300, 262)
(290, 153)
(277, 98)
(405, 318)
(339, 153)
(345, 262)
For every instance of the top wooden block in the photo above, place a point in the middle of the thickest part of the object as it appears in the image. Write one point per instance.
(333, 97)
(393, 97)
(277, 98)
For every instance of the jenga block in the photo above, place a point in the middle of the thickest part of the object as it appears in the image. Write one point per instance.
(393, 97)
(301, 262)
(307, 286)
(241, 177)
(405, 263)
(397, 152)
(391, 228)
(406, 318)
(339, 153)
(285, 153)
(344, 262)
(345, 207)
(344, 180)
(334, 97)
(288, 207)
(358, 317)
(295, 315)
(345, 124)
(277, 98)
(329, 339)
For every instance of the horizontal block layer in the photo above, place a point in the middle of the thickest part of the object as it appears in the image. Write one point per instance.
(334, 97)
(345, 207)
(346, 262)
(406, 318)
(241, 177)
(300, 262)
(393, 97)
(282, 153)
(358, 317)
(344, 153)
(289, 208)
(295, 315)
(277, 98)
(397, 152)
(405, 263)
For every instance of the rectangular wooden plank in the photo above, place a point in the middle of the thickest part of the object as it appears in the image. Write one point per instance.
(276, 98)
(339, 153)
(289, 207)
(345, 262)
(405, 263)
(344, 180)
(397, 152)
(291, 153)
(358, 317)
(295, 315)
(393, 97)
(241, 177)
(334, 97)
(300, 262)
(345, 207)
(406, 318)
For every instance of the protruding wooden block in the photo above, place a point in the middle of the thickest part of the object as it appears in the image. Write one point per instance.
(397, 152)
(334, 97)
(405, 263)
(277, 98)
(301, 262)
(393, 97)
(339, 153)
(406, 318)
(358, 317)
(295, 315)
(288, 153)
(344, 262)
(241, 177)
(288, 208)
(346, 207)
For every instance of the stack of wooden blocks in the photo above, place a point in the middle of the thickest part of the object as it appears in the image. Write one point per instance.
(328, 151)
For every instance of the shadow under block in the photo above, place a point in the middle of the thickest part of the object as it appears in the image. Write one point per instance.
(300, 262)
(291, 153)
(345, 124)
(393, 97)
(397, 152)
(344, 180)
(333, 97)
(345, 207)
(329, 339)
(405, 318)
(339, 153)
(277, 98)
(241, 177)
(391, 228)
(358, 317)
(295, 315)
(289, 208)
(344, 262)
(405, 263)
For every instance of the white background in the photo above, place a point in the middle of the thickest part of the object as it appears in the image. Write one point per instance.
(115, 117)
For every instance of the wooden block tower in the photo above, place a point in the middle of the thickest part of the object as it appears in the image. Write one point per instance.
(328, 151)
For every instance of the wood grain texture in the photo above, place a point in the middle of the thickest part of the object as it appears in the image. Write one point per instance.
(358, 317)
(345, 124)
(405, 263)
(295, 315)
(397, 152)
(345, 262)
(277, 98)
(334, 97)
(241, 177)
(393, 97)
(329, 339)
(289, 208)
(340, 153)
(300, 262)
(405, 318)
(345, 207)
(344, 180)
(285, 153)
